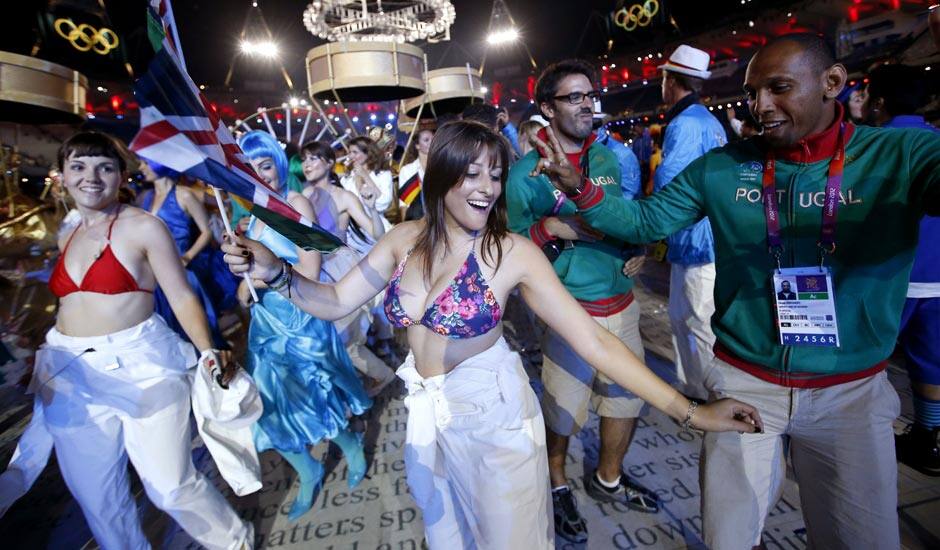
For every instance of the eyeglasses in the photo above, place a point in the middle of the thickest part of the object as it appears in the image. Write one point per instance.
(575, 98)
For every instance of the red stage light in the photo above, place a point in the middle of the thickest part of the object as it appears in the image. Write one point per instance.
(496, 92)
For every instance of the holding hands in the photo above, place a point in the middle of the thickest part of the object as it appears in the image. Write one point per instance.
(572, 228)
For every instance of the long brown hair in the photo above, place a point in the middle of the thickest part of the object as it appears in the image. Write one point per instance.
(375, 158)
(454, 147)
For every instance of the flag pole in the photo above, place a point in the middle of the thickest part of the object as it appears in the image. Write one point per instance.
(228, 229)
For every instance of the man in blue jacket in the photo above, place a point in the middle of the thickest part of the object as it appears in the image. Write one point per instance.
(894, 96)
(691, 132)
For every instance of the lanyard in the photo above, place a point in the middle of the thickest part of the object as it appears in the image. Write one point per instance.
(827, 237)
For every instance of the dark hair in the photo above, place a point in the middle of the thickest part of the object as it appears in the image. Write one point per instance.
(903, 88)
(483, 113)
(412, 153)
(547, 86)
(686, 82)
(375, 158)
(455, 146)
(819, 51)
(319, 149)
(93, 144)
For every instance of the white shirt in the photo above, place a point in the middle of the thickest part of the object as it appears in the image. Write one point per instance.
(382, 180)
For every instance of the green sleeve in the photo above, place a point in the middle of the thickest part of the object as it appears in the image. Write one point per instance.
(678, 205)
(522, 201)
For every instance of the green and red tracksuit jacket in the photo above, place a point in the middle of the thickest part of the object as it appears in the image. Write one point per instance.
(592, 272)
(891, 179)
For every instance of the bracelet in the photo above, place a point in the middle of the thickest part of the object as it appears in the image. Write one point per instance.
(276, 277)
(283, 277)
(687, 423)
(285, 280)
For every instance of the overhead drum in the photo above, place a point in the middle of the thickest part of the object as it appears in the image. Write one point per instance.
(450, 90)
(365, 71)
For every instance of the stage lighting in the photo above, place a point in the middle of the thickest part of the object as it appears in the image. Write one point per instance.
(503, 36)
(262, 48)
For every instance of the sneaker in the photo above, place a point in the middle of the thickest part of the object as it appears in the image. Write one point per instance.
(629, 493)
(919, 448)
(569, 524)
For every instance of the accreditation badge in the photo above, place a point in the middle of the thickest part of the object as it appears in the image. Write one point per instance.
(806, 310)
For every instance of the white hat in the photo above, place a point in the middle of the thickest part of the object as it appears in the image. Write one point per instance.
(688, 61)
(540, 119)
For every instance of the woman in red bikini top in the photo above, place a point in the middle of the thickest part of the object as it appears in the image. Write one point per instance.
(112, 260)
(112, 380)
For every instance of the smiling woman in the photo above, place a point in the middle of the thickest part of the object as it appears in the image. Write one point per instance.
(111, 375)
(475, 448)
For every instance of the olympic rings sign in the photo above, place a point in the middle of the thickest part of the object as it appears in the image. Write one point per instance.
(637, 15)
(84, 37)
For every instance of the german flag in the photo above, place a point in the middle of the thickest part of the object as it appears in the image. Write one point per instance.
(410, 189)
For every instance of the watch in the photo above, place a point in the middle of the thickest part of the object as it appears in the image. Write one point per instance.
(552, 250)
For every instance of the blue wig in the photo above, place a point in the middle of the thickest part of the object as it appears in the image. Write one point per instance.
(162, 171)
(258, 144)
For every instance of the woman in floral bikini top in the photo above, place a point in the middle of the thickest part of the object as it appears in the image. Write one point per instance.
(475, 438)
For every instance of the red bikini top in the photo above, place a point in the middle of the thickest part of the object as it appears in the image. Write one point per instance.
(105, 276)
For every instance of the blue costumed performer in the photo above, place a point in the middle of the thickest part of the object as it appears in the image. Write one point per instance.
(307, 382)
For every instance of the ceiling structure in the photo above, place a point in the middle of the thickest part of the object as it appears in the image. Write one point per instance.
(604, 31)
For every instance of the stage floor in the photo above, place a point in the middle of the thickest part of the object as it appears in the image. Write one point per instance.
(379, 514)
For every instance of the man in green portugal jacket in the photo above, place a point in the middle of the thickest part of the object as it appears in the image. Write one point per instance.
(833, 405)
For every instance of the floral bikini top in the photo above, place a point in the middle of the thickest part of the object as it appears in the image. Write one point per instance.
(466, 308)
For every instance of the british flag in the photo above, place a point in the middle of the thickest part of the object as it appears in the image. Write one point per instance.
(179, 128)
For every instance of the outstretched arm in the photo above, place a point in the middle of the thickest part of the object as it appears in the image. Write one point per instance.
(549, 299)
(677, 206)
(322, 300)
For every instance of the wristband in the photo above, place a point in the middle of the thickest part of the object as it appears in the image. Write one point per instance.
(209, 359)
(276, 277)
(283, 279)
(687, 423)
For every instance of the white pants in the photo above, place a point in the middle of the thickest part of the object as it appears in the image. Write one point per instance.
(841, 445)
(97, 415)
(475, 455)
(691, 305)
